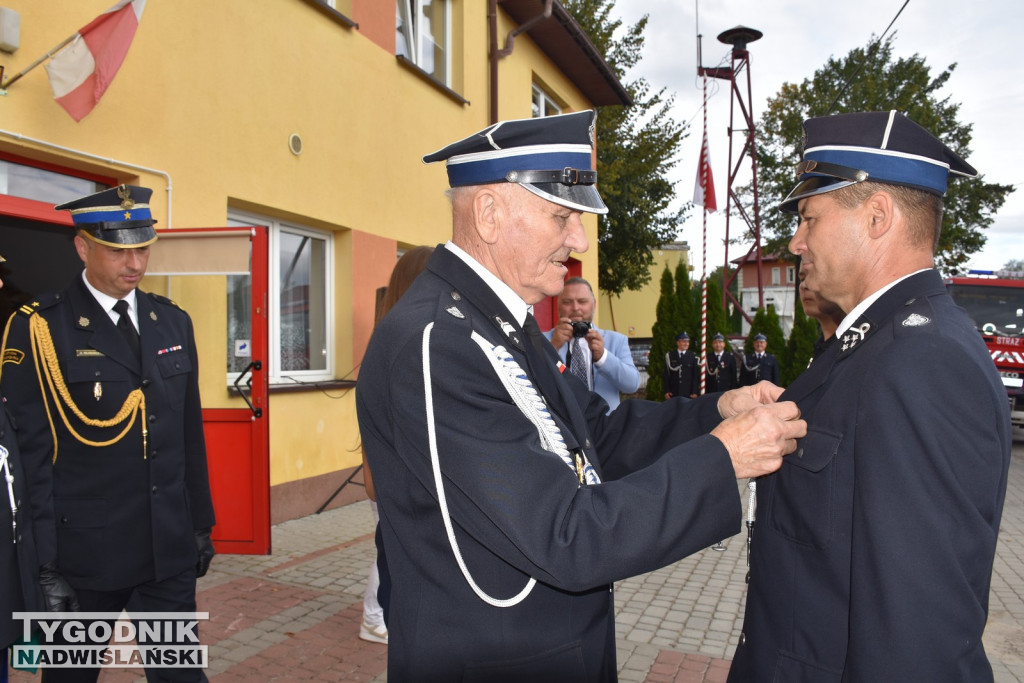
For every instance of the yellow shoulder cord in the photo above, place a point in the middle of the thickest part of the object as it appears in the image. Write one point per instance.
(48, 368)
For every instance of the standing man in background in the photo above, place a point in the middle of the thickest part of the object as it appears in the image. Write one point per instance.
(721, 375)
(682, 370)
(102, 380)
(598, 358)
(759, 365)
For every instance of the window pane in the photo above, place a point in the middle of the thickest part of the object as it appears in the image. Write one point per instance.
(302, 289)
(29, 182)
(432, 34)
(403, 37)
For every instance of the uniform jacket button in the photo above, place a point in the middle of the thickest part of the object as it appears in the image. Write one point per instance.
(154, 489)
(743, 638)
(152, 417)
(63, 519)
(145, 383)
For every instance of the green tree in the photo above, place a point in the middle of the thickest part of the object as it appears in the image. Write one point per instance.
(663, 337)
(1014, 264)
(870, 79)
(637, 148)
(718, 319)
(800, 346)
(685, 317)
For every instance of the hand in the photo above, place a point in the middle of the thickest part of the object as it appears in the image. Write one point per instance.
(596, 342)
(758, 438)
(204, 546)
(736, 401)
(667, 395)
(561, 333)
(58, 595)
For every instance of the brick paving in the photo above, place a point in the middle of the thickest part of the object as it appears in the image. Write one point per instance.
(294, 615)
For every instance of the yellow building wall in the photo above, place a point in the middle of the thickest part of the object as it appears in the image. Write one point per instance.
(202, 111)
(635, 311)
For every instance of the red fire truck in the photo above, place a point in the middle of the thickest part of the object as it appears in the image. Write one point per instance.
(995, 301)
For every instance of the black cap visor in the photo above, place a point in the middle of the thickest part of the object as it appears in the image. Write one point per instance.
(808, 188)
(579, 197)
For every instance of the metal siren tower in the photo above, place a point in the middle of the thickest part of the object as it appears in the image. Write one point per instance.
(740, 107)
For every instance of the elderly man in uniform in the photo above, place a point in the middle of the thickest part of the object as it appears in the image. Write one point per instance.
(682, 370)
(509, 500)
(759, 364)
(598, 358)
(872, 552)
(102, 381)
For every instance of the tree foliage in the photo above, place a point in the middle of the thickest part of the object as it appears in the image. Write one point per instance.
(800, 346)
(637, 148)
(870, 79)
(663, 337)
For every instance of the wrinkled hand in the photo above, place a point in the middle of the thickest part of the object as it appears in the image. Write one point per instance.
(758, 438)
(58, 595)
(740, 400)
(204, 546)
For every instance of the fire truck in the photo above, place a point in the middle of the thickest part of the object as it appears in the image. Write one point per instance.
(995, 301)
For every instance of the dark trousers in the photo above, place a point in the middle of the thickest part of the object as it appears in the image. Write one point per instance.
(176, 594)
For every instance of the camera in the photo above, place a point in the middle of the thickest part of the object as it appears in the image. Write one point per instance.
(580, 328)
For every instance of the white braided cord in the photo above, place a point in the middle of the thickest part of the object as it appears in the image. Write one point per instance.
(442, 502)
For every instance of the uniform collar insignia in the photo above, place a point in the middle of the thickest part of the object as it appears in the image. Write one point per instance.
(455, 312)
(509, 331)
(855, 335)
(915, 320)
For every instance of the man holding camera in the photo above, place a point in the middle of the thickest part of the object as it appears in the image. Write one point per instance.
(598, 358)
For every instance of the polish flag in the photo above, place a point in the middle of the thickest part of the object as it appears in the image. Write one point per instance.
(704, 192)
(82, 72)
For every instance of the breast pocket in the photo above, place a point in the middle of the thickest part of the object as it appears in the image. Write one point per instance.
(803, 499)
(98, 384)
(174, 369)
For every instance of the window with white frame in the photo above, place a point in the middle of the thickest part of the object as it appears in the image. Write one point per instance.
(301, 283)
(423, 35)
(544, 104)
(790, 275)
(776, 276)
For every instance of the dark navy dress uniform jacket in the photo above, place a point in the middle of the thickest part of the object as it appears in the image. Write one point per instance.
(518, 511)
(110, 517)
(873, 546)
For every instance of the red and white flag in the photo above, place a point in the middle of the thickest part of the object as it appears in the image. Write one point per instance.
(704, 192)
(82, 72)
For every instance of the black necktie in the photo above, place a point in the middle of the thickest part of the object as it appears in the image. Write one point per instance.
(126, 328)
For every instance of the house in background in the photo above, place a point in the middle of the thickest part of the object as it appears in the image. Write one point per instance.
(299, 125)
(779, 281)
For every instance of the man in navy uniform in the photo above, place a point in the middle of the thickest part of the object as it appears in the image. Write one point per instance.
(682, 370)
(759, 364)
(872, 551)
(509, 500)
(19, 565)
(721, 375)
(102, 382)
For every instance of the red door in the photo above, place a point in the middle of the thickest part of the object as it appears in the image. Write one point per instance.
(199, 268)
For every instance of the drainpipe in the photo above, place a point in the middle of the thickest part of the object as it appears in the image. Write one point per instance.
(496, 54)
(96, 157)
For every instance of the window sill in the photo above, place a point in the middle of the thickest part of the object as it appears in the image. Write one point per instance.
(332, 13)
(312, 385)
(423, 75)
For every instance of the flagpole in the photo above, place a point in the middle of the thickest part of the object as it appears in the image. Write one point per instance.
(704, 256)
(5, 84)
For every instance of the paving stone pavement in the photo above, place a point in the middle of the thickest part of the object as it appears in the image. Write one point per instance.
(294, 615)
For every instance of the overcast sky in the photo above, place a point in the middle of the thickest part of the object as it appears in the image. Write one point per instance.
(981, 37)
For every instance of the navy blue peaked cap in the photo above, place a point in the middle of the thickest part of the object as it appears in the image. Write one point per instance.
(880, 146)
(550, 156)
(117, 217)
(681, 336)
